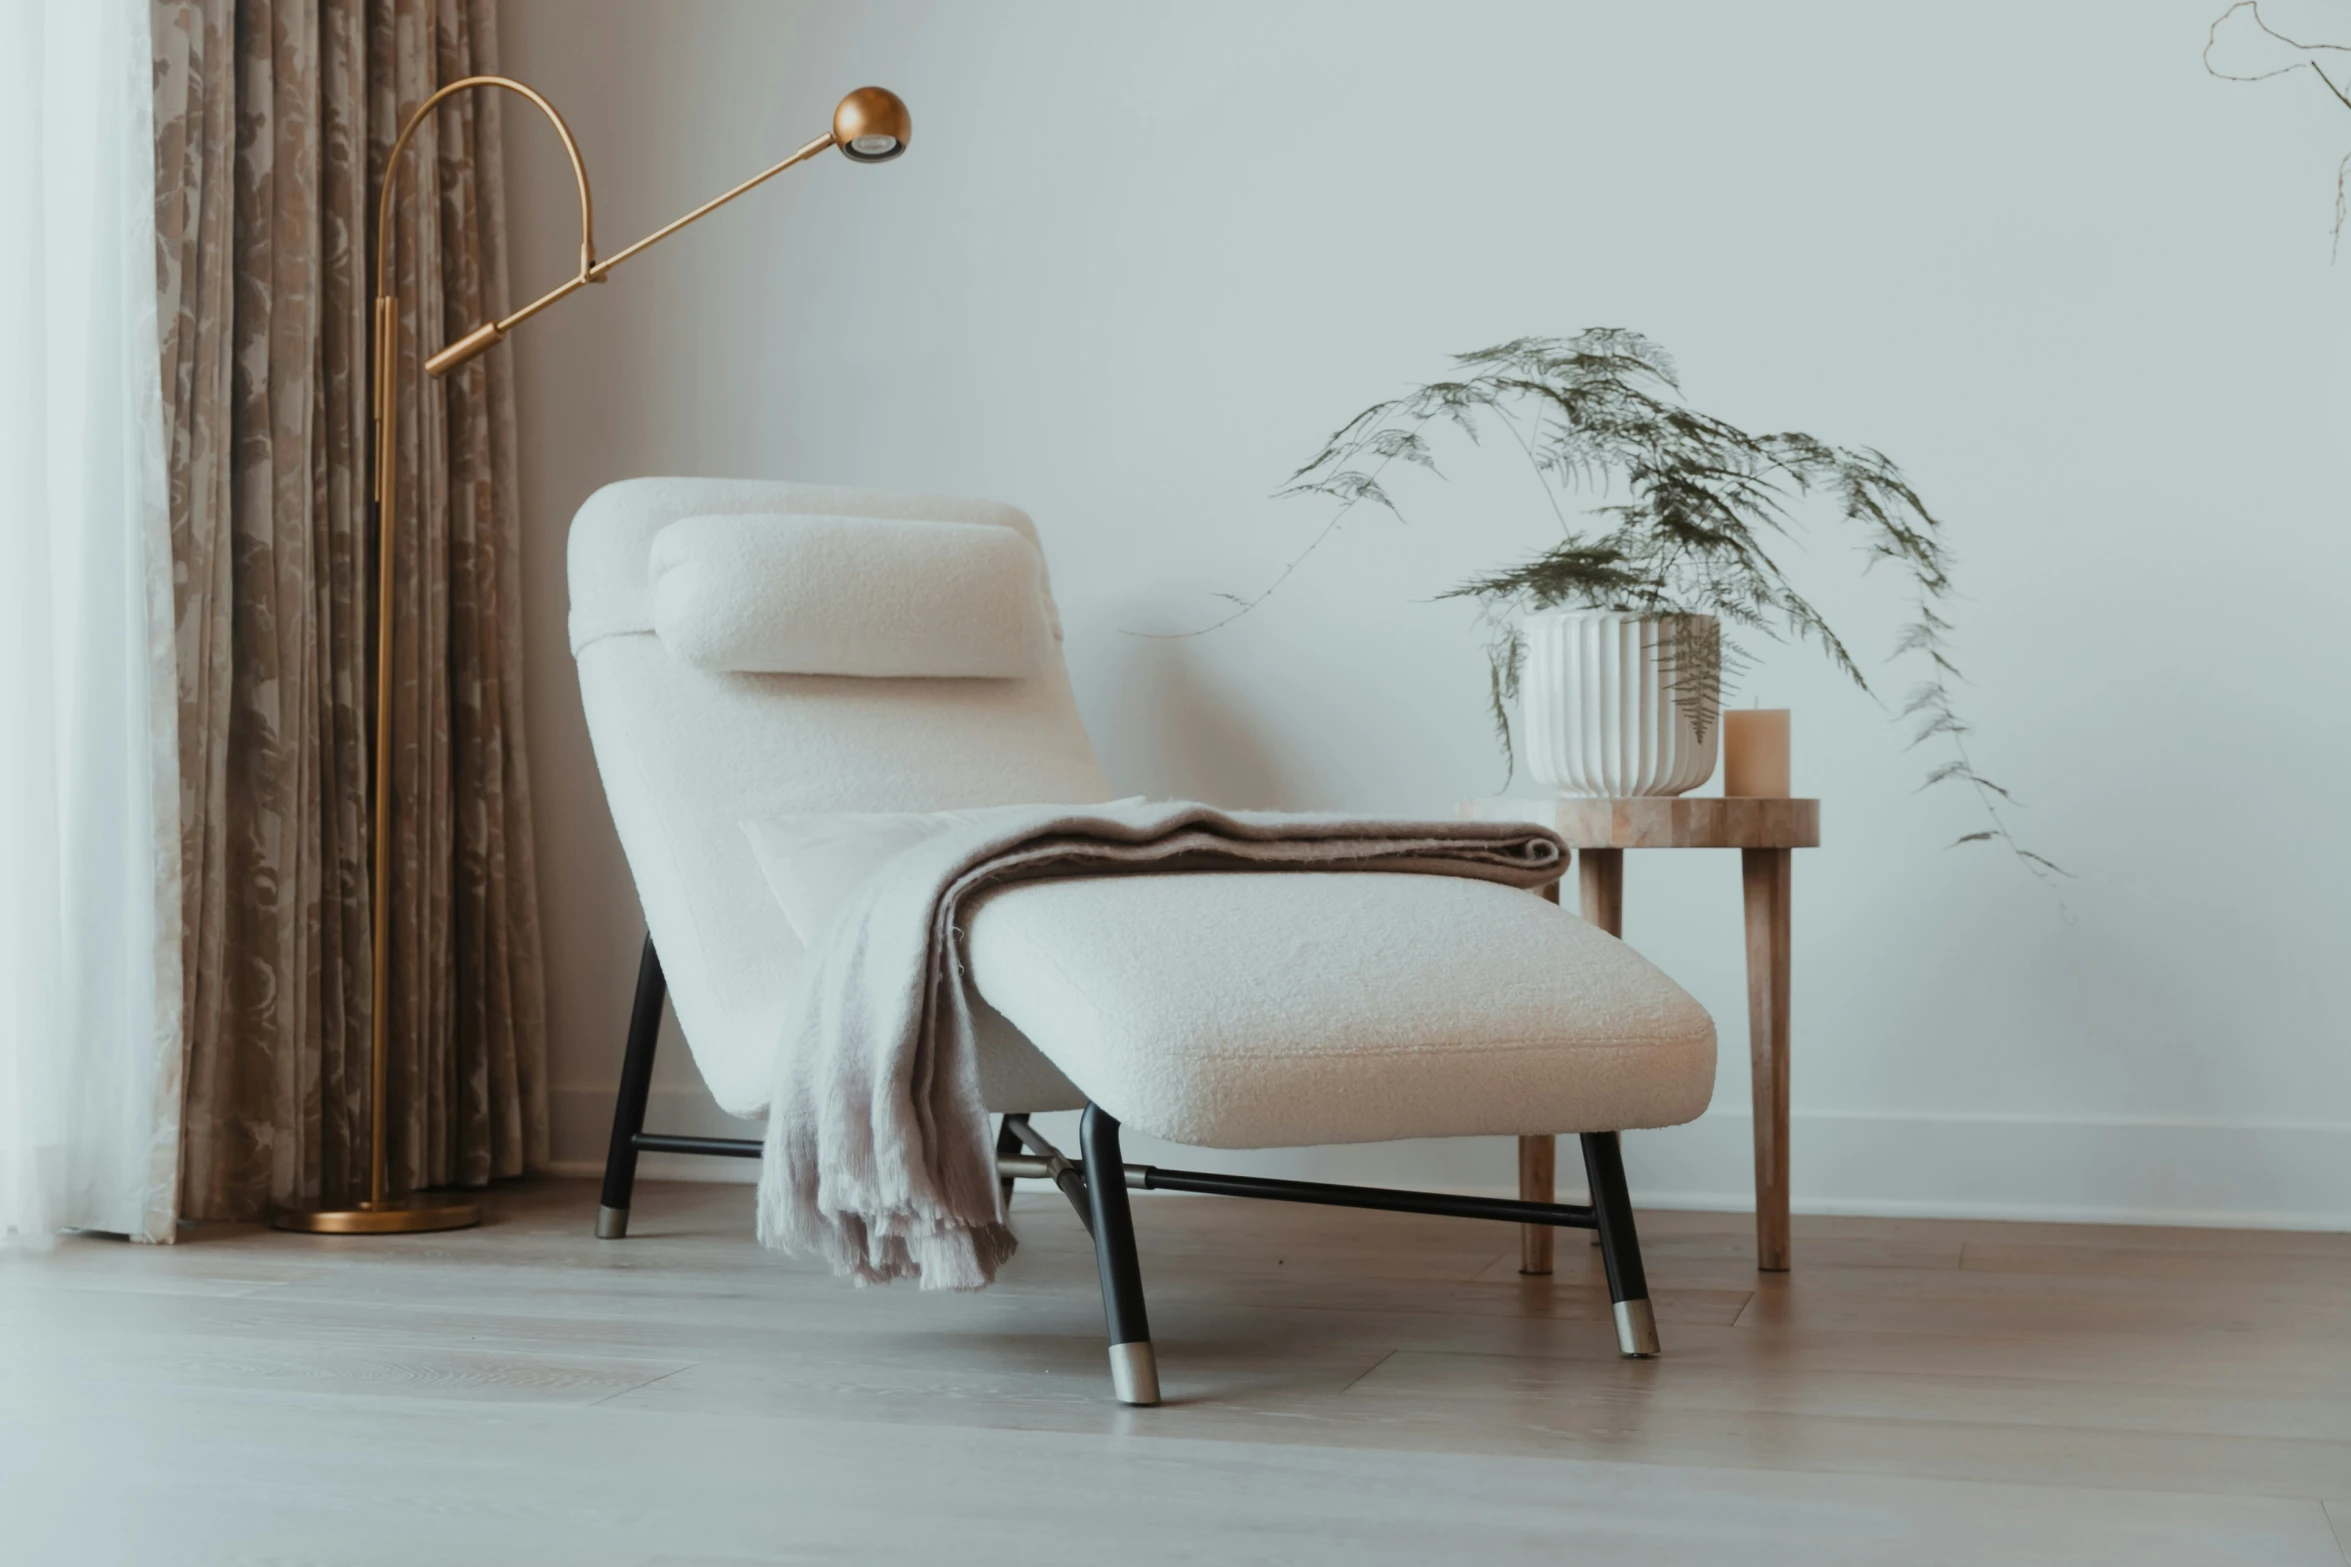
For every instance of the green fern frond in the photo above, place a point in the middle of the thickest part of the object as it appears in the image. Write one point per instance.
(1691, 510)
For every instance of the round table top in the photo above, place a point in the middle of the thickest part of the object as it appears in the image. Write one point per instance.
(1664, 821)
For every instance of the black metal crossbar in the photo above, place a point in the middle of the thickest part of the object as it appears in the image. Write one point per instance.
(1212, 1183)
(1050, 1164)
(725, 1147)
(1504, 1210)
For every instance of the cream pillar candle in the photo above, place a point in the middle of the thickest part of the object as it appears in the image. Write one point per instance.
(1755, 752)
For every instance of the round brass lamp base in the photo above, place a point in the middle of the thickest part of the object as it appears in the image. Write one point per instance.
(397, 1216)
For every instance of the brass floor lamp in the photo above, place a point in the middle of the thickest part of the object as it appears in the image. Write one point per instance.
(870, 126)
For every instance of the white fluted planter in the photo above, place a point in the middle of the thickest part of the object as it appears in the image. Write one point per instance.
(1620, 704)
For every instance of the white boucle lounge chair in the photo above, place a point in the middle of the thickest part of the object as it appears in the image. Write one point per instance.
(738, 665)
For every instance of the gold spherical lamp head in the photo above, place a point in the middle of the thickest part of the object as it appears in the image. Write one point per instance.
(872, 125)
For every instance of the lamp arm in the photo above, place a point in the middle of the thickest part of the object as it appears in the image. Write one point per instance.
(491, 332)
(387, 316)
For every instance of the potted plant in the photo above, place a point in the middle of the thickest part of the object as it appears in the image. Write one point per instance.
(1615, 639)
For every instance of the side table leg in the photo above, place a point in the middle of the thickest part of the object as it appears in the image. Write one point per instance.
(1600, 881)
(1537, 1157)
(1765, 873)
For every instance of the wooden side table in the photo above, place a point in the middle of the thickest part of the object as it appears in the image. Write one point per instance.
(1764, 832)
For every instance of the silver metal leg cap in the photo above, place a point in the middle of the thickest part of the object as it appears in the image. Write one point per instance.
(1636, 1329)
(1134, 1373)
(611, 1223)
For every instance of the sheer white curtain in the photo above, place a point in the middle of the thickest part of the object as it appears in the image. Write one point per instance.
(89, 816)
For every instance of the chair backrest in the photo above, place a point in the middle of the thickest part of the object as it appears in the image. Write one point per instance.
(688, 755)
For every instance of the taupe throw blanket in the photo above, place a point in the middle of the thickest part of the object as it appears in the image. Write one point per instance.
(878, 1156)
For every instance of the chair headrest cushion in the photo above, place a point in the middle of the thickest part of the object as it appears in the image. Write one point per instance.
(778, 593)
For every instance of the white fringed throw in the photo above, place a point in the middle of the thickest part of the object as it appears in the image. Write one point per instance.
(878, 1157)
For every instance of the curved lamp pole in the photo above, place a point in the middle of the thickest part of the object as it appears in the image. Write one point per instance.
(870, 126)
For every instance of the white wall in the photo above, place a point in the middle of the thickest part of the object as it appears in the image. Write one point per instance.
(1140, 259)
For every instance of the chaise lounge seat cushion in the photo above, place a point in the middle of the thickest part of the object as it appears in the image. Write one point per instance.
(1248, 1010)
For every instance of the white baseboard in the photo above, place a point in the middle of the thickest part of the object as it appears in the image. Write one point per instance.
(2268, 1175)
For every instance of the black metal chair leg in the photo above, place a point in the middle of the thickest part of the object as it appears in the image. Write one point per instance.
(1007, 1144)
(1134, 1372)
(1620, 1247)
(636, 1086)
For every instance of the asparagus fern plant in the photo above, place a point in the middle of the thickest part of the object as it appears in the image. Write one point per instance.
(1693, 512)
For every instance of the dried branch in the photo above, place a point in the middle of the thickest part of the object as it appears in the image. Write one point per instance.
(2253, 9)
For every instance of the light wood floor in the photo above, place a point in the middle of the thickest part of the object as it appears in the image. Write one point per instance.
(1345, 1387)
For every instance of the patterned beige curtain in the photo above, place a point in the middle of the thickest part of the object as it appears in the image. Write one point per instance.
(273, 118)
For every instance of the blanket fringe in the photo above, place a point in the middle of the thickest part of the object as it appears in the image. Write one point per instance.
(874, 1246)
